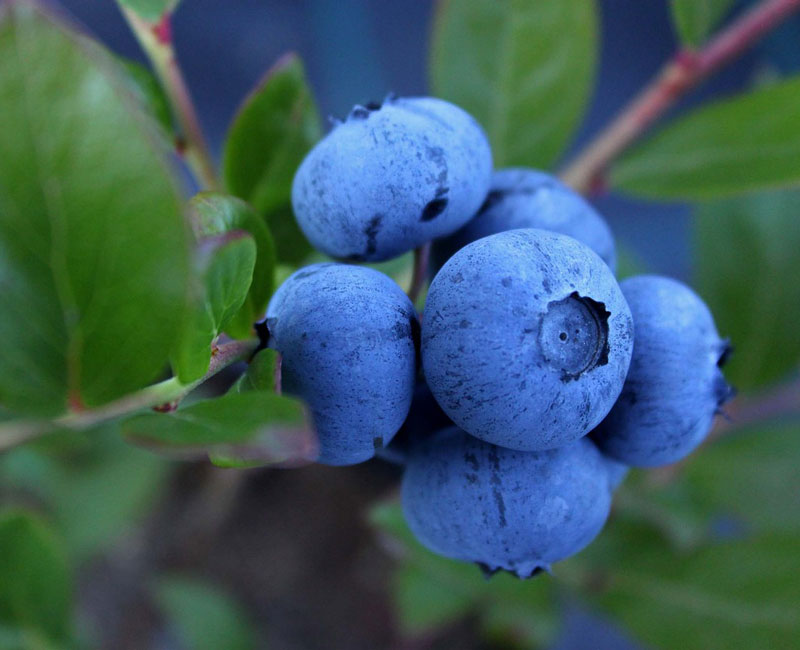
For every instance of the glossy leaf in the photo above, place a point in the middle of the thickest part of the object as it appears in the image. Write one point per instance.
(746, 253)
(260, 373)
(271, 133)
(728, 147)
(93, 243)
(35, 590)
(215, 214)
(150, 10)
(523, 68)
(150, 94)
(225, 272)
(430, 591)
(695, 19)
(739, 593)
(202, 616)
(257, 426)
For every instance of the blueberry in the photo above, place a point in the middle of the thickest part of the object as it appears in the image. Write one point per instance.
(504, 509)
(425, 418)
(348, 337)
(617, 472)
(526, 198)
(674, 386)
(526, 339)
(391, 178)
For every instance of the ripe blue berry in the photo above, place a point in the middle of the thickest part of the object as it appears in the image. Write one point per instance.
(425, 418)
(392, 177)
(526, 198)
(348, 338)
(674, 386)
(616, 472)
(526, 339)
(503, 509)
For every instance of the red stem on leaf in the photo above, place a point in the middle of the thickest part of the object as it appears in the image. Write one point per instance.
(679, 75)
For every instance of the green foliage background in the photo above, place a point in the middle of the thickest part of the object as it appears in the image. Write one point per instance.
(95, 233)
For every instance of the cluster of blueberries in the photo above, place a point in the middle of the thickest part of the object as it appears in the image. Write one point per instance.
(532, 380)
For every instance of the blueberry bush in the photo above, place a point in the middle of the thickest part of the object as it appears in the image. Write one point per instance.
(423, 286)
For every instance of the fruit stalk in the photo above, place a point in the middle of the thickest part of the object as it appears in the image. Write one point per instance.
(156, 41)
(682, 73)
(420, 272)
(17, 432)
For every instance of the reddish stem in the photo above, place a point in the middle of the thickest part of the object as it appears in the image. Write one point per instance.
(679, 75)
(420, 273)
(278, 373)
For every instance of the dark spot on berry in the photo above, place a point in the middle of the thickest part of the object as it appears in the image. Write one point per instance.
(433, 209)
(506, 282)
(496, 483)
(629, 396)
(373, 106)
(371, 231)
(377, 443)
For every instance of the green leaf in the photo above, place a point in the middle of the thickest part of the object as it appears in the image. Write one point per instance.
(18, 639)
(629, 263)
(95, 487)
(523, 68)
(695, 19)
(93, 243)
(256, 426)
(752, 477)
(260, 373)
(225, 270)
(215, 214)
(738, 594)
(746, 252)
(271, 133)
(99, 497)
(35, 592)
(205, 618)
(728, 147)
(150, 94)
(431, 591)
(150, 10)
(671, 509)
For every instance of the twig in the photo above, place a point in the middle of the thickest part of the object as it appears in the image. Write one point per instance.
(782, 401)
(156, 41)
(277, 374)
(420, 272)
(679, 75)
(16, 432)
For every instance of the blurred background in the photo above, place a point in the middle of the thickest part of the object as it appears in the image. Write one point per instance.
(166, 551)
